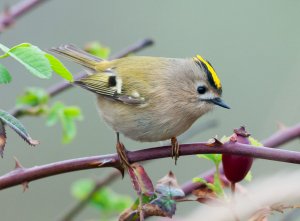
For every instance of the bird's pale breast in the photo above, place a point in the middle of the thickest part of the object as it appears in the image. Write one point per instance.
(139, 124)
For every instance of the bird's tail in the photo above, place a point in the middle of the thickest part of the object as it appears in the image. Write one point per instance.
(77, 55)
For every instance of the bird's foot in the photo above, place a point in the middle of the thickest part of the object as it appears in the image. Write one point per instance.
(122, 153)
(175, 149)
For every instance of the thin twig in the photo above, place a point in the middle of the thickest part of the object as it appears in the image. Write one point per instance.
(22, 175)
(141, 212)
(60, 87)
(99, 184)
(282, 136)
(9, 15)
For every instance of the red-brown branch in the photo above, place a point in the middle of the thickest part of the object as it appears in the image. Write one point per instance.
(9, 15)
(23, 175)
(277, 139)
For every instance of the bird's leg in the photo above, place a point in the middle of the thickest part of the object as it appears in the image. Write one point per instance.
(122, 153)
(175, 149)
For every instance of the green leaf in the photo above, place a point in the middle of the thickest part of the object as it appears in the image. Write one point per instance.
(95, 48)
(104, 199)
(33, 97)
(54, 113)
(199, 180)
(6, 50)
(255, 142)
(248, 177)
(67, 117)
(81, 188)
(69, 128)
(217, 185)
(59, 68)
(215, 158)
(5, 77)
(73, 111)
(212, 187)
(109, 201)
(17, 126)
(31, 57)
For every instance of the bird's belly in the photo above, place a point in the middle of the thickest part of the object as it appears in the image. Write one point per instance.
(138, 124)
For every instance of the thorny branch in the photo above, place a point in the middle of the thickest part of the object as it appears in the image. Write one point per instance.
(10, 14)
(275, 140)
(25, 175)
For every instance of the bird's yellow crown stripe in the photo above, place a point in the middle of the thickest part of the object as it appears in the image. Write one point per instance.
(211, 70)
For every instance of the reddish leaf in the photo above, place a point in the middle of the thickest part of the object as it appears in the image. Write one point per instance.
(157, 208)
(140, 180)
(204, 195)
(154, 210)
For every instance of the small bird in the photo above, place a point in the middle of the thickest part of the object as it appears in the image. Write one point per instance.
(149, 99)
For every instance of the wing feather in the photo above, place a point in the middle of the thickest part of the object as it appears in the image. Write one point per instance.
(108, 84)
(77, 55)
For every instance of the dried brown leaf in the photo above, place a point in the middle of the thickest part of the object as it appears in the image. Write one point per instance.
(2, 138)
(168, 186)
(154, 210)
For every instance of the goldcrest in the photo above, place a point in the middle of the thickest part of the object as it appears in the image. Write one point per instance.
(149, 98)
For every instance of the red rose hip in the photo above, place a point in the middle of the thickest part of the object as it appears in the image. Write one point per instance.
(236, 167)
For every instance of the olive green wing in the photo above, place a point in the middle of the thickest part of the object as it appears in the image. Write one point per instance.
(110, 85)
(77, 55)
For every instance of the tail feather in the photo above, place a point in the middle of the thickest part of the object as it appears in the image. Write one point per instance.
(77, 55)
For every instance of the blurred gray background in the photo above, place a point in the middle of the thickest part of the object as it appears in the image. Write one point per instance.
(253, 45)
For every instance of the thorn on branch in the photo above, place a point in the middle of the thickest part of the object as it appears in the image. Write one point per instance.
(25, 186)
(214, 142)
(281, 126)
(18, 165)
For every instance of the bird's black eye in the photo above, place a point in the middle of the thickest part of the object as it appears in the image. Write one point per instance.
(201, 89)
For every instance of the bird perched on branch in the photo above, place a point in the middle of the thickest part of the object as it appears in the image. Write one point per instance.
(149, 98)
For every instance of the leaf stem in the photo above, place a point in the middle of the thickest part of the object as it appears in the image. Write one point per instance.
(232, 188)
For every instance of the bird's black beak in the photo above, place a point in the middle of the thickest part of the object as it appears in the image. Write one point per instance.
(218, 101)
